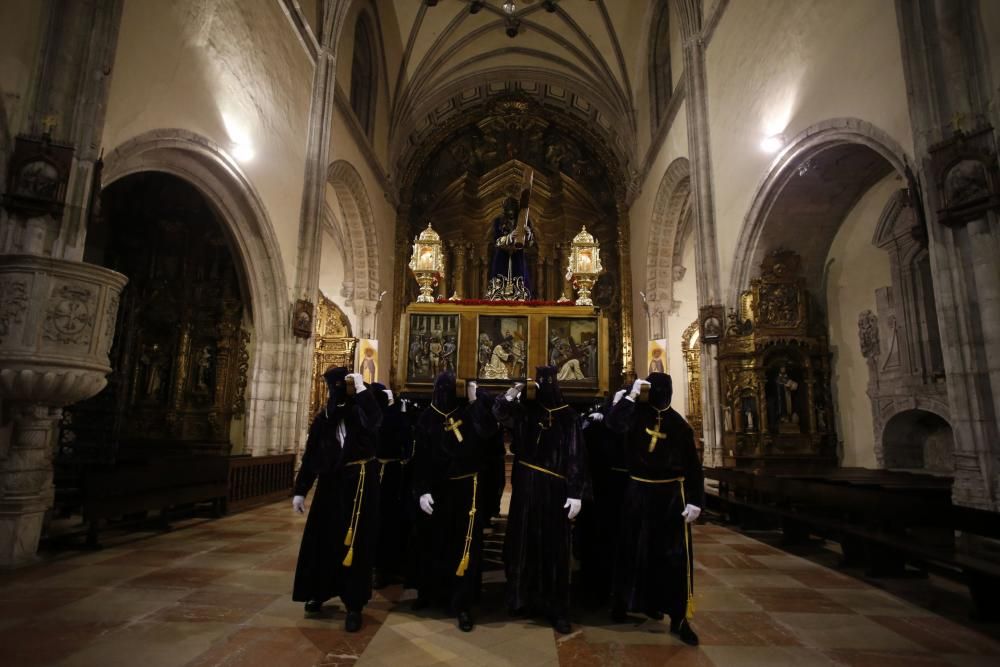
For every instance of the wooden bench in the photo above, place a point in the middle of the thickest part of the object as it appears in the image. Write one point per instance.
(118, 491)
(882, 520)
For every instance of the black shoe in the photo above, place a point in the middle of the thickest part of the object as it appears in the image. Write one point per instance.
(464, 621)
(379, 581)
(314, 608)
(654, 614)
(618, 613)
(684, 632)
(561, 625)
(420, 603)
(352, 623)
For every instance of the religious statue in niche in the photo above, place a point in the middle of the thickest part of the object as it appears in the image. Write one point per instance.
(204, 373)
(783, 391)
(153, 381)
(509, 280)
(748, 408)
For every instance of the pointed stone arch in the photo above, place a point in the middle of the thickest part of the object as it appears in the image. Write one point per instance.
(671, 208)
(356, 225)
(794, 160)
(271, 412)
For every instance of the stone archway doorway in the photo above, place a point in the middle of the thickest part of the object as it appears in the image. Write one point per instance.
(919, 440)
(181, 353)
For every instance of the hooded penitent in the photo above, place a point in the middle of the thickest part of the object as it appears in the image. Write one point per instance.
(661, 390)
(336, 384)
(380, 396)
(443, 396)
(549, 393)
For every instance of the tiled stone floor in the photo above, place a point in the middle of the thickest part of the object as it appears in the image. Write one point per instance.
(217, 593)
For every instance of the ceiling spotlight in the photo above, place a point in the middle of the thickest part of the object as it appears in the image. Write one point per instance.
(509, 7)
(475, 6)
(431, 3)
(549, 5)
(512, 28)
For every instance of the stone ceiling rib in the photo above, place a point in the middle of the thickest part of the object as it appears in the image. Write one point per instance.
(570, 59)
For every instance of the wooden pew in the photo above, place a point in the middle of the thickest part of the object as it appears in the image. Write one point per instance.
(121, 490)
(882, 520)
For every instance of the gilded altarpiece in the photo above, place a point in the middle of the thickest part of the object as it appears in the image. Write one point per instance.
(691, 349)
(334, 347)
(458, 184)
(775, 375)
(180, 357)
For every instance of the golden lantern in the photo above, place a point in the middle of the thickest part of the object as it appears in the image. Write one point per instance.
(584, 265)
(427, 263)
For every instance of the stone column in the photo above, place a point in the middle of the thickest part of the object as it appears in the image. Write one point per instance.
(401, 273)
(318, 133)
(703, 211)
(57, 314)
(954, 116)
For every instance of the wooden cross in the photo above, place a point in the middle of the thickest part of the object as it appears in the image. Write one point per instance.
(452, 426)
(655, 435)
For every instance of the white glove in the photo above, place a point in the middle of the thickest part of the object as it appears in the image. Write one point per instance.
(691, 513)
(636, 388)
(359, 383)
(402, 405)
(573, 504)
(299, 504)
(618, 396)
(427, 503)
(470, 391)
(595, 417)
(388, 392)
(514, 391)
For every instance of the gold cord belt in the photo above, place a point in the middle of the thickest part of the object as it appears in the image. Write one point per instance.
(463, 563)
(657, 481)
(384, 462)
(541, 469)
(359, 494)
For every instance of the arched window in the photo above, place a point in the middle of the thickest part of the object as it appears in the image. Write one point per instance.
(363, 79)
(660, 82)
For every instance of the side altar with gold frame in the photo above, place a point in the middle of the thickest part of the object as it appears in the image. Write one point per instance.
(774, 370)
(499, 344)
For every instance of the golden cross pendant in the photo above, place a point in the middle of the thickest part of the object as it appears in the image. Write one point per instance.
(655, 435)
(452, 426)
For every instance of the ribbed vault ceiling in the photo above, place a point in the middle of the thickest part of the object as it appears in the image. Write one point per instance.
(571, 60)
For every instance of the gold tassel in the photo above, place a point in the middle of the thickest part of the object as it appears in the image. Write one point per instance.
(690, 607)
(355, 516)
(462, 566)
